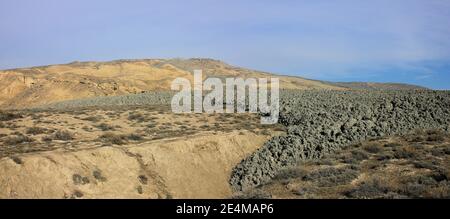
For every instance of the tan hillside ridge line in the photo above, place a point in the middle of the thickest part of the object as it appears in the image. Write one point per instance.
(28, 87)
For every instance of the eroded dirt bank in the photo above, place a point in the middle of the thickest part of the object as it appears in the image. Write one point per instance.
(187, 167)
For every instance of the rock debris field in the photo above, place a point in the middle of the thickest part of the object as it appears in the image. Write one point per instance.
(321, 122)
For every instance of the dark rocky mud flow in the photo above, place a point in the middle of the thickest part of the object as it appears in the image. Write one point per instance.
(320, 122)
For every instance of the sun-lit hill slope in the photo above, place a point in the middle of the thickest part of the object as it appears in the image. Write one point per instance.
(34, 86)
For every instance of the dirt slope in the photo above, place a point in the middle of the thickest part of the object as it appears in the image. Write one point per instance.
(194, 167)
(34, 86)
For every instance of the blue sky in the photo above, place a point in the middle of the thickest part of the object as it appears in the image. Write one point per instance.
(383, 41)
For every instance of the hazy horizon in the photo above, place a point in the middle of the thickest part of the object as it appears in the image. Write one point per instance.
(385, 41)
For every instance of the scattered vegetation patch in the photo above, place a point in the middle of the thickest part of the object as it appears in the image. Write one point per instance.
(331, 176)
(17, 160)
(139, 190)
(136, 116)
(7, 116)
(93, 118)
(143, 179)
(373, 147)
(253, 194)
(406, 152)
(105, 127)
(112, 138)
(290, 173)
(370, 189)
(134, 137)
(35, 130)
(77, 194)
(18, 139)
(62, 135)
(80, 180)
(47, 138)
(98, 176)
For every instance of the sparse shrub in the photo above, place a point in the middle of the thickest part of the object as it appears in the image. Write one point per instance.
(77, 194)
(373, 147)
(7, 116)
(423, 164)
(113, 138)
(87, 129)
(426, 180)
(98, 175)
(80, 180)
(16, 133)
(419, 132)
(93, 118)
(368, 189)
(359, 155)
(354, 157)
(438, 152)
(435, 132)
(253, 194)
(290, 173)
(105, 127)
(136, 116)
(143, 179)
(384, 156)
(371, 164)
(405, 152)
(418, 136)
(348, 159)
(205, 126)
(439, 137)
(18, 139)
(36, 116)
(265, 132)
(134, 137)
(35, 130)
(446, 149)
(325, 161)
(17, 160)
(332, 176)
(440, 175)
(139, 190)
(393, 144)
(151, 125)
(62, 135)
(47, 138)
(414, 190)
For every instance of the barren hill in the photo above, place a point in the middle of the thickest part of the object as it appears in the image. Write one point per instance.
(378, 86)
(25, 87)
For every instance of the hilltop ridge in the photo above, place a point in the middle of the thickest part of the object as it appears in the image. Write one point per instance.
(27, 87)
